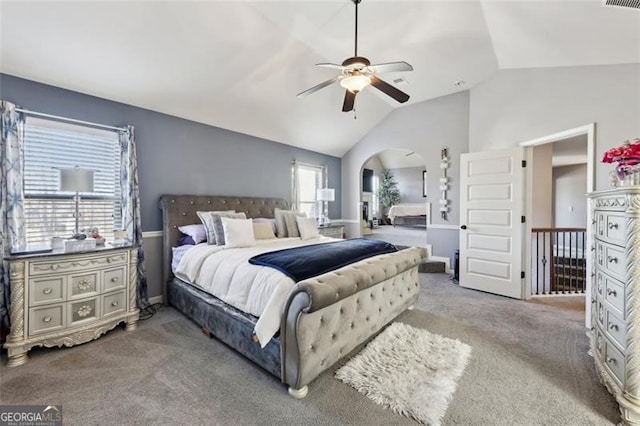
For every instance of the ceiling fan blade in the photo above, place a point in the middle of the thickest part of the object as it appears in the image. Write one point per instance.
(349, 100)
(334, 66)
(320, 86)
(388, 89)
(391, 67)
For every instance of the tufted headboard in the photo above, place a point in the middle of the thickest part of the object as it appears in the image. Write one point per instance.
(179, 210)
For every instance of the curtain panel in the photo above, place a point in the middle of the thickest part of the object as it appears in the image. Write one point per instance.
(12, 232)
(131, 217)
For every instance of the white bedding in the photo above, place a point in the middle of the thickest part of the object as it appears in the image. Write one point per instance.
(227, 274)
(417, 209)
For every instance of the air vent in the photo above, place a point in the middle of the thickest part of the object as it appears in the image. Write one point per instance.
(401, 80)
(632, 4)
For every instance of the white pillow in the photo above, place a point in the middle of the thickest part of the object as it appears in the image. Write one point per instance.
(238, 232)
(307, 227)
(262, 231)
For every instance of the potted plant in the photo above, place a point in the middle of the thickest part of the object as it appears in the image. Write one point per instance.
(388, 192)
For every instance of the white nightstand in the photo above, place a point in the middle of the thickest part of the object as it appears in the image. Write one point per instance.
(62, 299)
(333, 231)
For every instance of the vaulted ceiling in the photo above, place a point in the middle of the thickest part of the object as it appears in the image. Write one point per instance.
(239, 65)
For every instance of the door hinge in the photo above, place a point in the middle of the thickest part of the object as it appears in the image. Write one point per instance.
(522, 274)
(524, 163)
(522, 219)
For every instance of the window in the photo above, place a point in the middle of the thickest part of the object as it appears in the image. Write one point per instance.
(310, 178)
(50, 146)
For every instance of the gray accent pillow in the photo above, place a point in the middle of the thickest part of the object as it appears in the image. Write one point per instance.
(291, 223)
(208, 219)
(281, 227)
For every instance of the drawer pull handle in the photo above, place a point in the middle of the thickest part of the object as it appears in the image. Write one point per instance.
(593, 221)
(46, 319)
(611, 360)
(611, 292)
(593, 248)
(114, 279)
(612, 259)
(593, 274)
(114, 303)
(613, 225)
(47, 290)
(593, 301)
(613, 327)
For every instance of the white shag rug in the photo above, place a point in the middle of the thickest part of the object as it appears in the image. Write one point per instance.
(409, 370)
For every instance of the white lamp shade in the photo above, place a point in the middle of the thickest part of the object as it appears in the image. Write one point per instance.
(326, 194)
(76, 180)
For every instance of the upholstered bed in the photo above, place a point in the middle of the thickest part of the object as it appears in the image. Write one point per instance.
(324, 317)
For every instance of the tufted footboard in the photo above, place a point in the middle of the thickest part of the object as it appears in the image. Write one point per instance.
(327, 316)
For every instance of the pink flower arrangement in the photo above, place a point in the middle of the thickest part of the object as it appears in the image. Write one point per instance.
(628, 154)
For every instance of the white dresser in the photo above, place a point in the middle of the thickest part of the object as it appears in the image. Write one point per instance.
(66, 299)
(615, 295)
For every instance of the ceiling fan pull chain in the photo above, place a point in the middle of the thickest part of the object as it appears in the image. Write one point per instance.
(356, 38)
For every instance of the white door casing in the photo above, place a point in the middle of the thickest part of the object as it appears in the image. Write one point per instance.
(491, 234)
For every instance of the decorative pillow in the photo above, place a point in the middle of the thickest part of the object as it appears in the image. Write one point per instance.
(308, 228)
(197, 232)
(271, 222)
(281, 227)
(238, 232)
(291, 224)
(262, 231)
(186, 240)
(213, 226)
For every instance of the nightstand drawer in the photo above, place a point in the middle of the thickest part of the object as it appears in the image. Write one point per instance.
(83, 285)
(83, 311)
(80, 264)
(331, 231)
(113, 303)
(46, 318)
(46, 290)
(114, 278)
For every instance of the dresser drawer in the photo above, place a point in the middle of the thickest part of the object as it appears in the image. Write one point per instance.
(611, 259)
(599, 344)
(83, 311)
(114, 278)
(616, 329)
(46, 318)
(610, 227)
(46, 290)
(83, 285)
(80, 263)
(614, 294)
(114, 303)
(614, 360)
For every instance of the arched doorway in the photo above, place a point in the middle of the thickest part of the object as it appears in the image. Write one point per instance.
(394, 204)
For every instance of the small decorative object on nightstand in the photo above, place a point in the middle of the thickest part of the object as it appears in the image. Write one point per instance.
(61, 299)
(333, 231)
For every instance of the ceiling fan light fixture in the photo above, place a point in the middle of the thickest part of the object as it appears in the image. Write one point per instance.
(355, 83)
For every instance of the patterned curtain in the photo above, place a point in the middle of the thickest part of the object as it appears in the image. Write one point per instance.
(131, 206)
(295, 185)
(12, 235)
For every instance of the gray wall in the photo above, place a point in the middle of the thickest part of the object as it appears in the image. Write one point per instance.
(519, 105)
(425, 128)
(410, 184)
(181, 156)
(569, 187)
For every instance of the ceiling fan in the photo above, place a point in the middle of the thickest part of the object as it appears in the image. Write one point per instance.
(358, 73)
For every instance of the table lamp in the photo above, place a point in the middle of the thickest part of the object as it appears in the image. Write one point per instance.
(76, 180)
(325, 195)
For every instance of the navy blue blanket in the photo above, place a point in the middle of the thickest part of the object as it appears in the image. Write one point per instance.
(300, 263)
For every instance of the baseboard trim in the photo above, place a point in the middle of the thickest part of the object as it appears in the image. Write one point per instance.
(155, 299)
(446, 261)
(152, 234)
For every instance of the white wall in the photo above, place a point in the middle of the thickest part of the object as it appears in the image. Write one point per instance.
(542, 196)
(524, 104)
(569, 187)
(425, 128)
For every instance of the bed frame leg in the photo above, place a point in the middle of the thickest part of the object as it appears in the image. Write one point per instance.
(411, 308)
(298, 393)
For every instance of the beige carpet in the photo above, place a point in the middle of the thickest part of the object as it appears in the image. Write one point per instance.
(529, 367)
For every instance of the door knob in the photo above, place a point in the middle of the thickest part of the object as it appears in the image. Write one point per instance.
(463, 227)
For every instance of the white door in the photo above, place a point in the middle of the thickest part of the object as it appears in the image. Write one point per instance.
(491, 209)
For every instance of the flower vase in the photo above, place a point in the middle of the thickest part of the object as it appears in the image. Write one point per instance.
(628, 174)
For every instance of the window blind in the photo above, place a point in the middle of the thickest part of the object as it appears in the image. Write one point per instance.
(310, 180)
(50, 146)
